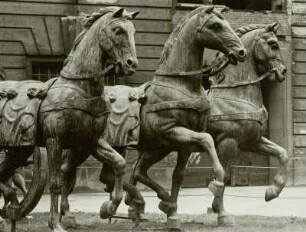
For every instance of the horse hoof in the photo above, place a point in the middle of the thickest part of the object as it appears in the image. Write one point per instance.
(210, 210)
(216, 187)
(109, 188)
(173, 223)
(271, 193)
(69, 222)
(226, 221)
(167, 207)
(107, 210)
(58, 228)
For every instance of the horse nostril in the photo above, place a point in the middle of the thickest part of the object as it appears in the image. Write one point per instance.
(242, 53)
(129, 62)
(284, 71)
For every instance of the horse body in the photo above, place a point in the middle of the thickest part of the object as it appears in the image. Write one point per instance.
(173, 116)
(73, 114)
(238, 117)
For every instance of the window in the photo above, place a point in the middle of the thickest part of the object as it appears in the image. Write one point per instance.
(245, 4)
(196, 1)
(257, 5)
(44, 71)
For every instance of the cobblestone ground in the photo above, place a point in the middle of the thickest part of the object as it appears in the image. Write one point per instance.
(89, 222)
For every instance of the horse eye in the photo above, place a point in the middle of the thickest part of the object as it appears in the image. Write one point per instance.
(118, 31)
(215, 26)
(274, 45)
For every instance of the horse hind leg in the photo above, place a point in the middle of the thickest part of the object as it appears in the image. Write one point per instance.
(72, 160)
(54, 151)
(140, 174)
(267, 147)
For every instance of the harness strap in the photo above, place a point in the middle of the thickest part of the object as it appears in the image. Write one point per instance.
(85, 76)
(207, 72)
(243, 83)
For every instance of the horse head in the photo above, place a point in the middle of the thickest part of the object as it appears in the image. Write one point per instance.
(267, 55)
(120, 45)
(216, 33)
(107, 37)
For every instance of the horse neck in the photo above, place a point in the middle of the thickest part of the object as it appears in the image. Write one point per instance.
(87, 60)
(245, 71)
(183, 54)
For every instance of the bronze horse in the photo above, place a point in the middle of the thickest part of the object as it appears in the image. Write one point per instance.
(73, 113)
(238, 115)
(173, 116)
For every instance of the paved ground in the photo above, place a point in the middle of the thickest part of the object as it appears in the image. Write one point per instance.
(238, 201)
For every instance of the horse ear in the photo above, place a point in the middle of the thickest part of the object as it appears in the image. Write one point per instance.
(118, 13)
(273, 27)
(225, 9)
(134, 14)
(210, 9)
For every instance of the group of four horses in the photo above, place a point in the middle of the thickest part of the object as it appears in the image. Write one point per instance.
(176, 115)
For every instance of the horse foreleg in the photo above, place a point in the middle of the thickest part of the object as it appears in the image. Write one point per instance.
(72, 160)
(186, 138)
(54, 151)
(106, 154)
(267, 147)
(134, 197)
(227, 149)
(177, 180)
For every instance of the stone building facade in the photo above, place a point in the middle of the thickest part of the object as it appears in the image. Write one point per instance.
(36, 36)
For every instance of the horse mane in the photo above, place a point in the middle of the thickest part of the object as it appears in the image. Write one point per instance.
(176, 32)
(241, 31)
(88, 23)
(245, 29)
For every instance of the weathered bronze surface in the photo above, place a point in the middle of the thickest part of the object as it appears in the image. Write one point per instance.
(173, 116)
(73, 112)
(238, 116)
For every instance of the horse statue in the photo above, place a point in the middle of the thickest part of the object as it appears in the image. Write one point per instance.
(174, 106)
(69, 112)
(237, 118)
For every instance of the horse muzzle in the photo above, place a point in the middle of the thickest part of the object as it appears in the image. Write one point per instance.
(237, 56)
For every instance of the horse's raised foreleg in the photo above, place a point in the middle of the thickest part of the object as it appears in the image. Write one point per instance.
(186, 138)
(106, 154)
(73, 159)
(267, 147)
(54, 151)
(134, 199)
